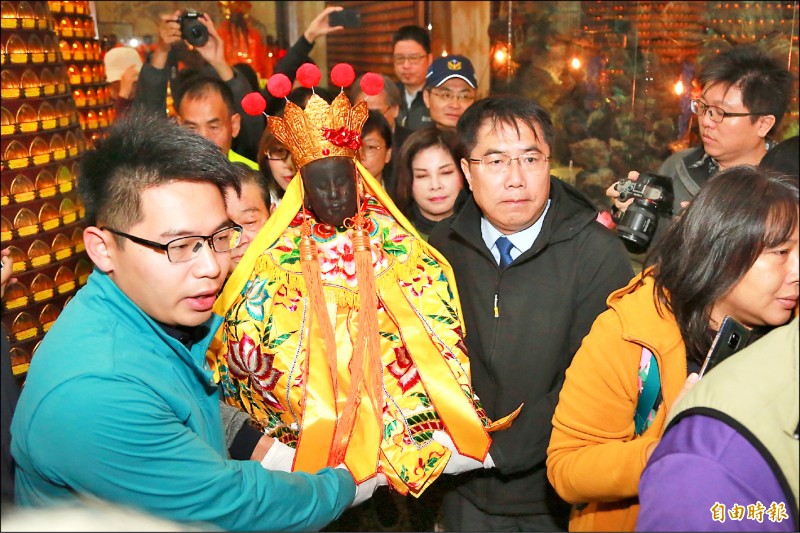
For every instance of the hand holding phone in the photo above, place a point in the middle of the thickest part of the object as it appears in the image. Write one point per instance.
(347, 18)
(731, 337)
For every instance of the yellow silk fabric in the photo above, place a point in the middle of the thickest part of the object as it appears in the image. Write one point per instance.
(271, 364)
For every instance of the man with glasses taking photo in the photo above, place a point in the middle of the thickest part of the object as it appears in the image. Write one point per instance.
(411, 48)
(120, 403)
(744, 96)
(533, 269)
(449, 89)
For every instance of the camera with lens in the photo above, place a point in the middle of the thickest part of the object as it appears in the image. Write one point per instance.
(192, 30)
(652, 195)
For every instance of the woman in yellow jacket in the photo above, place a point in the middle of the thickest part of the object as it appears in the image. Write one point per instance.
(734, 251)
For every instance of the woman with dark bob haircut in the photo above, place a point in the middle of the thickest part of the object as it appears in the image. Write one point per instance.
(733, 252)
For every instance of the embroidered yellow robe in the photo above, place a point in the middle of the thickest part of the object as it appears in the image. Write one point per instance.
(271, 365)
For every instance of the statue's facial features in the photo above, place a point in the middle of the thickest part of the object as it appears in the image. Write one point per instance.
(330, 189)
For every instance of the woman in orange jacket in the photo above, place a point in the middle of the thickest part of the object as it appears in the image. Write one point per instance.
(734, 252)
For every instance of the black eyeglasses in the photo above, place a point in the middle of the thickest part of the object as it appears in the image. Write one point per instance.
(185, 249)
(717, 114)
(278, 154)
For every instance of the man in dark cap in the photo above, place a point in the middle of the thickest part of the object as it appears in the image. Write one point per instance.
(450, 88)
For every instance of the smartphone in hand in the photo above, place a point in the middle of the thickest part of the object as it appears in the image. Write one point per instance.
(731, 337)
(348, 17)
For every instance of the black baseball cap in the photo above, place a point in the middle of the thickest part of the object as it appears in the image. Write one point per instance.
(445, 68)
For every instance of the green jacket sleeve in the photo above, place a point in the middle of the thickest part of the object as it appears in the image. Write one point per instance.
(117, 439)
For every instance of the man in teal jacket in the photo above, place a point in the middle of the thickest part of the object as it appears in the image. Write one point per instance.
(119, 403)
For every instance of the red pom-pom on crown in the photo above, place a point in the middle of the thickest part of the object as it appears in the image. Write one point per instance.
(254, 104)
(371, 83)
(309, 75)
(343, 75)
(279, 85)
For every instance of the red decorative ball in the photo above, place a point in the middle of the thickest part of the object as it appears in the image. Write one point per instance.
(343, 75)
(279, 85)
(308, 75)
(254, 104)
(372, 83)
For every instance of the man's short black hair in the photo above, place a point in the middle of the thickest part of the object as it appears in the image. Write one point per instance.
(140, 151)
(413, 33)
(764, 80)
(199, 87)
(507, 110)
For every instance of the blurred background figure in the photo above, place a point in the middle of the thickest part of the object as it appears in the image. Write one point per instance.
(122, 65)
(411, 49)
(376, 148)
(249, 209)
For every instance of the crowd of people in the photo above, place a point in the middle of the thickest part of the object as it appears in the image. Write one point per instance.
(383, 295)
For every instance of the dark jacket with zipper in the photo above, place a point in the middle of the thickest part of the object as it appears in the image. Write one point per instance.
(523, 326)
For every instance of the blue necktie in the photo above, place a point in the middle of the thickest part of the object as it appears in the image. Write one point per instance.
(504, 246)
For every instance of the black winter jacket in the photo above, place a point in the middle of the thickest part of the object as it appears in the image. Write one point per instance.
(546, 300)
(415, 117)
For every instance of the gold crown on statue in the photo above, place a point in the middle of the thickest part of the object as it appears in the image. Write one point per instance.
(321, 130)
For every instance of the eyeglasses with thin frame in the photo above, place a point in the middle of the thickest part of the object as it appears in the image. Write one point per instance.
(278, 154)
(500, 164)
(717, 114)
(185, 249)
(449, 96)
(371, 150)
(412, 59)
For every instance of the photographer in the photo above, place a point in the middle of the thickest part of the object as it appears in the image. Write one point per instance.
(744, 96)
(733, 252)
(163, 70)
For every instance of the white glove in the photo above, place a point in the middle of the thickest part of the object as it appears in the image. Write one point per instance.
(458, 464)
(279, 457)
(366, 489)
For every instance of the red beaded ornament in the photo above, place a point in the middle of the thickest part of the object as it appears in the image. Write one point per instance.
(279, 85)
(372, 83)
(343, 75)
(254, 104)
(309, 75)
